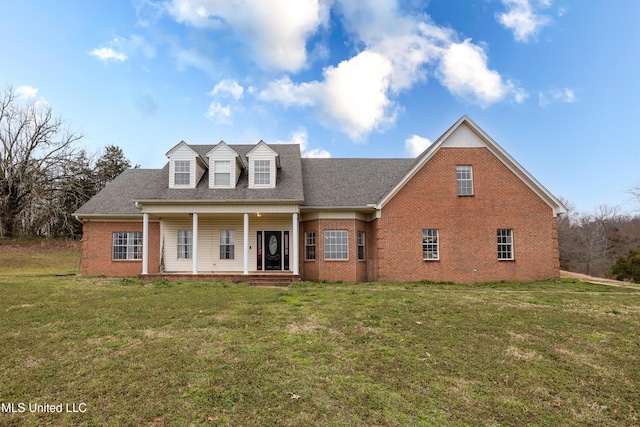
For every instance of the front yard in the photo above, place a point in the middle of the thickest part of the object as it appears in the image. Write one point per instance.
(124, 352)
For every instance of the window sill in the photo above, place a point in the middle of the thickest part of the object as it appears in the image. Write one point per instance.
(507, 260)
(337, 260)
(126, 260)
(431, 259)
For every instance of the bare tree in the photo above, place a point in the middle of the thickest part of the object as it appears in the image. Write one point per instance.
(34, 147)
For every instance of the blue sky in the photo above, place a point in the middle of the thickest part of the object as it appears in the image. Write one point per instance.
(555, 82)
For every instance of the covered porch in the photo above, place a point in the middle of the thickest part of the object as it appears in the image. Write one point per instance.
(216, 240)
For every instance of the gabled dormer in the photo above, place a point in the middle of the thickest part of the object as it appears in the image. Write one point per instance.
(186, 166)
(263, 163)
(225, 166)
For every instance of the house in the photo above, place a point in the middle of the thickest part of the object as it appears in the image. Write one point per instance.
(464, 211)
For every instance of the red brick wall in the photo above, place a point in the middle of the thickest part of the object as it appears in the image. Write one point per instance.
(351, 270)
(467, 225)
(97, 242)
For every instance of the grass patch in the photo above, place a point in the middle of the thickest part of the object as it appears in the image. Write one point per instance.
(197, 353)
(36, 256)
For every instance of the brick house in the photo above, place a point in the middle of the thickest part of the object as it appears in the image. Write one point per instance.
(464, 210)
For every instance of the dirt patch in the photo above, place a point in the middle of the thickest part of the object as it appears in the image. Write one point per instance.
(598, 280)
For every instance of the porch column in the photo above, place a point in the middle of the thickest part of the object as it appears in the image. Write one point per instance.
(295, 244)
(194, 252)
(246, 243)
(145, 243)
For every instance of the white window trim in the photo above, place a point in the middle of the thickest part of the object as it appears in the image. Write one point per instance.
(307, 235)
(510, 244)
(227, 238)
(134, 250)
(185, 244)
(459, 168)
(437, 243)
(327, 234)
(362, 245)
(216, 164)
(176, 172)
(257, 184)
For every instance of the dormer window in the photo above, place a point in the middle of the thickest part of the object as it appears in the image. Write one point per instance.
(262, 172)
(221, 173)
(182, 172)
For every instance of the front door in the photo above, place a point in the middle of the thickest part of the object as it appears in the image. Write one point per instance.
(273, 250)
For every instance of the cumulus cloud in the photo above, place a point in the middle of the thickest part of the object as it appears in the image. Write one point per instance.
(107, 54)
(464, 71)
(523, 19)
(300, 137)
(219, 113)
(276, 30)
(228, 87)
(564, 95)
(26, 92)
(416, 144)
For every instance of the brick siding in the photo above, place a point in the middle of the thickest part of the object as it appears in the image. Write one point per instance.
(97, 249)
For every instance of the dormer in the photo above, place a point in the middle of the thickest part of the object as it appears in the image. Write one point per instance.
(186, 166)
(263, 162)
(225, 166)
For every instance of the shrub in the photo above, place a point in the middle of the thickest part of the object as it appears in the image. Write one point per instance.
(627, 267)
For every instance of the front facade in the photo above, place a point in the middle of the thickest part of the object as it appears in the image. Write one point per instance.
(462, 211)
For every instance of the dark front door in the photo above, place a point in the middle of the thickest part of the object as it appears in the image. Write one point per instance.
(273, 250)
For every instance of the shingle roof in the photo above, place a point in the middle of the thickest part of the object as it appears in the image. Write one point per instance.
(350, 182)
(288, 181)
(117, 197)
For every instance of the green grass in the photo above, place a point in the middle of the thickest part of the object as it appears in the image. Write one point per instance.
(25, 256)
(160, 353)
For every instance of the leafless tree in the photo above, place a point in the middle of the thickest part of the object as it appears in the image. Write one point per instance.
(34, 147)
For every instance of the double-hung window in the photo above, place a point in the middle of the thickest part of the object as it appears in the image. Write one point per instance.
(336, 245)
(262, 172)
(222, 173)
(464, 176)
(430, 245)
(182, 172)
(361, 254)
(227, 244)
(505, 244)
(185, 244)
(127, 245)
(310, 245)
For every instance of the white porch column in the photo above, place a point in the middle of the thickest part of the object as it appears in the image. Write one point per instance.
(194, 251)
(145, 243)
(296, 251)
(246, 243)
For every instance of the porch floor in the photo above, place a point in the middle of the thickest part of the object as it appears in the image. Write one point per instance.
(254, 279)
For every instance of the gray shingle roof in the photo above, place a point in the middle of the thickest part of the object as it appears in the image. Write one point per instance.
(350, 182)
(288, 181)
(311, 182)
(117, 197)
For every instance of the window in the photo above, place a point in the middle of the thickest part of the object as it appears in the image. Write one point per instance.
(361, 245)
(127, 245)
(185, 244)
(227, 244)
(430, 245)
(505, 244)
(262, 172)
(336, 245)
(310, 245)
(464, 175)
(182, 172)
(222, 172)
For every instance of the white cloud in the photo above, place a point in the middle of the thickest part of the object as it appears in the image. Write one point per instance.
(26, 92)
(564, 95)
(219, 113)
(522, 19)
(464, 71)
(300, 137)
(416, 144)
(228, 87)
(107, 54)
(276, 30)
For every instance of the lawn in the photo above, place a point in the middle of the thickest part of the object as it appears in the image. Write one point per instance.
(137, 353)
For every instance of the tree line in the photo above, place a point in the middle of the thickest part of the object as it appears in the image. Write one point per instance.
(44, 175)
